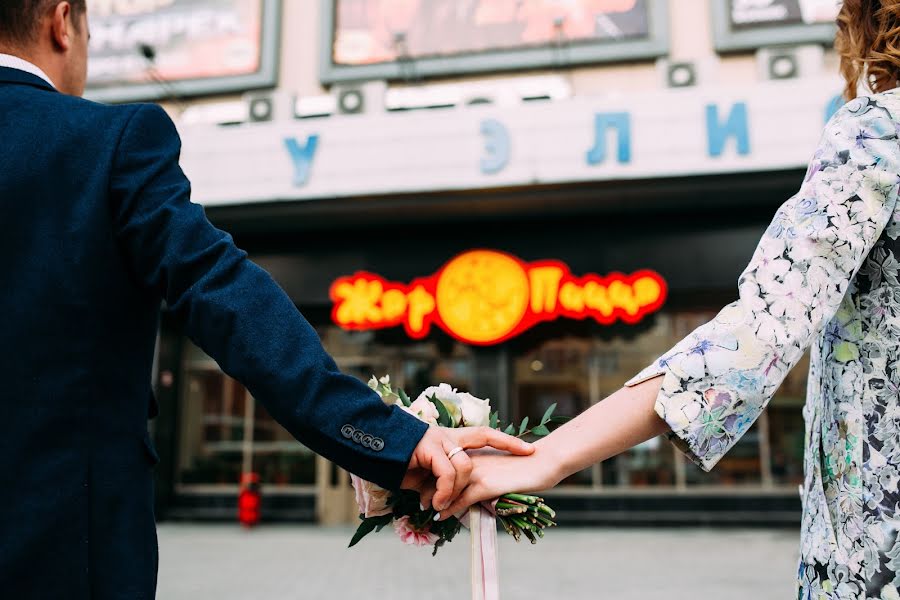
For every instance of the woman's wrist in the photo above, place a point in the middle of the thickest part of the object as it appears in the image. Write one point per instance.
(550, 463)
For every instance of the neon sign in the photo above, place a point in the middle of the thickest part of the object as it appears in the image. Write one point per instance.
(485, 297)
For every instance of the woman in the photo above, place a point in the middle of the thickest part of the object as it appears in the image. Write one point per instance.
(826, 274)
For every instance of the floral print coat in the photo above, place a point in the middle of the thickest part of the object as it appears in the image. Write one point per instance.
(825, 274)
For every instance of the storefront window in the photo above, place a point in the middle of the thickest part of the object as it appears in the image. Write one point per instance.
(649, 464)
(412, 365)
(577, 372)
(225, 432)
(556, 372)
(786, 427)
(652, 463)
(212, 428)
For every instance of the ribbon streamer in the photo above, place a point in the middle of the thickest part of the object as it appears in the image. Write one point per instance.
(483, 534)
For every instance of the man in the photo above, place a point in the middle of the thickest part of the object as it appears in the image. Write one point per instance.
(97, 228)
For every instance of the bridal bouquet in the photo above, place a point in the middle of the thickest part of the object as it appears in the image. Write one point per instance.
(520, 515)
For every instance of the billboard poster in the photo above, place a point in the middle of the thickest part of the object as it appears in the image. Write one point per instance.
(382, 31)
(749, 14)
(142, 41)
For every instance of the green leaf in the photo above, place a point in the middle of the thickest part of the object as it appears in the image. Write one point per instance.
(560, 420)
(548, 414)
(404, 398)
(452, 529)
(540, 431)
(364, 529)
(524, 426)
(510, 429)
(444, 419)
(383, 524)
(446, 531)
(369, 525)
(495, 420)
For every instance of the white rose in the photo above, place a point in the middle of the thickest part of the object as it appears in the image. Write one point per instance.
(447, 396)
(475, 411)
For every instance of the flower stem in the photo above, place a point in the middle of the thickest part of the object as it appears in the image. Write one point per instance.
(524, 499)
(545, 522)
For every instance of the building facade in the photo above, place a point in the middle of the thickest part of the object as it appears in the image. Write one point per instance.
(528, 200)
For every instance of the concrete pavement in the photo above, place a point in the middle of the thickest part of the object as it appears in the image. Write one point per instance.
(223, 562)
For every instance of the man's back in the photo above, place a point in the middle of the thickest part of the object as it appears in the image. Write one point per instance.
(76, 348)
(99, 228)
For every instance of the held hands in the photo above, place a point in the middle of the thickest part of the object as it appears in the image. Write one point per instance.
(494, 474)
(440, 479)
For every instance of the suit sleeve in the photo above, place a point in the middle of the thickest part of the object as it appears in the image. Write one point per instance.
(239, 316)
(718, 379)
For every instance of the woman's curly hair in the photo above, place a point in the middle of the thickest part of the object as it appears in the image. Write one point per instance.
(868, 42)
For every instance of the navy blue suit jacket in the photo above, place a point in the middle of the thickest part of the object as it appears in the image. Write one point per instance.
(97, 229)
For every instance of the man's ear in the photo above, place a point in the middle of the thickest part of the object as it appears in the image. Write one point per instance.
(60, 25)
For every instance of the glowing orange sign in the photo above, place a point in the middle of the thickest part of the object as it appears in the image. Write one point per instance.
(486, 297)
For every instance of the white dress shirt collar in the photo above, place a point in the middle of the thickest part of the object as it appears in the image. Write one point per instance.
(14, 62)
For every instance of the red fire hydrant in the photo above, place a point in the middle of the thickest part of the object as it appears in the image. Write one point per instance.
(249, 500)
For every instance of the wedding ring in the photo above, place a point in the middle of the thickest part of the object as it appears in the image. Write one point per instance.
(454, 452)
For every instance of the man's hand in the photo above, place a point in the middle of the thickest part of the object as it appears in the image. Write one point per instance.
(439, 479)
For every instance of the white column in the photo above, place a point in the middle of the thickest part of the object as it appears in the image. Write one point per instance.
(247, 446)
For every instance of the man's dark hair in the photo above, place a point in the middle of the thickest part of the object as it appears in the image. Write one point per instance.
(19, 19)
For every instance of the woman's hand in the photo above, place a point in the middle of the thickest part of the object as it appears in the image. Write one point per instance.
(495, 474)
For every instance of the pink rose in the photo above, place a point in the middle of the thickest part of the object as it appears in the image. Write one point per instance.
(371, 499)
(412, 536)
(424, 410)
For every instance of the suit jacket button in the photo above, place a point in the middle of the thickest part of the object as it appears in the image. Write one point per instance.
(377, 445)
(367, 440)
(347, 431)
(357, 436)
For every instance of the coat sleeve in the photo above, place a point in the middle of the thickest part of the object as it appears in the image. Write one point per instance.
(239, 316)
(718, 379)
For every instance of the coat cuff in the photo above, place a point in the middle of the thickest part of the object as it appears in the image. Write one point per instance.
(386, 463)
(682, 412)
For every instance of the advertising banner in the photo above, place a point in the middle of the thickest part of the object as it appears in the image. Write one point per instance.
(164, 43)
(411, 39)
(373, 31)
